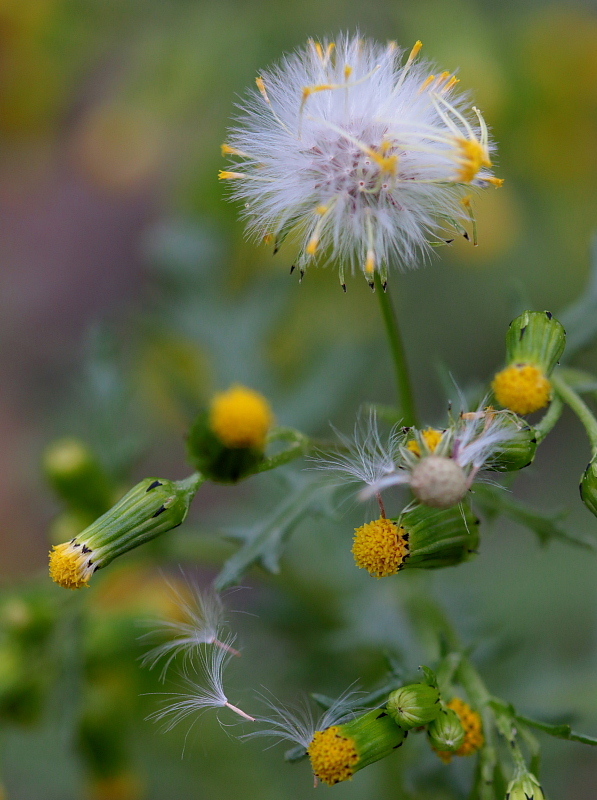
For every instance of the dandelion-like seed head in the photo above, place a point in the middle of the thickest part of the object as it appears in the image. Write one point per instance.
(72, 564)
(473, 730)
(361, 152)
(381, 547)
(333, 756)
(240, 418)
(523, 388)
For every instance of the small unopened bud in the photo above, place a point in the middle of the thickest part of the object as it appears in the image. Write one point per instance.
(227, 442)
(423, 538)
(588, 486)
(77, 476)
(446, 732)
(534, 343)
(439, 482)
(338, 752)
(152, 507)
(414, 705)
(525, 787)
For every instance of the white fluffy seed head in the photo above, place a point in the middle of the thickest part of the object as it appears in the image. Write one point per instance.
(365, 155)
(439, 482)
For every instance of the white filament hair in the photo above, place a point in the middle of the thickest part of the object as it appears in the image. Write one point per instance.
(297, 723)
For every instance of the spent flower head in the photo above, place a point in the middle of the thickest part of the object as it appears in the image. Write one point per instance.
(365, 154)
(198, 619)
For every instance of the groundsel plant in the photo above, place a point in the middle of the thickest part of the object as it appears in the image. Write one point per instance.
(204, 685)
(198, 619)
(365, 152)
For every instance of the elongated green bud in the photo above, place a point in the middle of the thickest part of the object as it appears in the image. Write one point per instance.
(446, 732)
(588, 486)
(518, 451)
(76, 475)
(227, 442)
(414, 705)
(338, 752)
(424, 538)
(152, 507)
(525, 787)
(534, 343)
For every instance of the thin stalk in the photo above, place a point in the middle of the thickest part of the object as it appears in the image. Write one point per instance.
(578, 405)
(239, 711)
(403, 382)
(549, 419)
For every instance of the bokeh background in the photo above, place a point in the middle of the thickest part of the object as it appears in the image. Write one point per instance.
(128, 294)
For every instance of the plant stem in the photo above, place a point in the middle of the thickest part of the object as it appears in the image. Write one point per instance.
(549, 419)
(404, 386)
(578, 405)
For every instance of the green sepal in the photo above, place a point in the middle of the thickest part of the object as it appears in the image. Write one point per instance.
(77, 477)
(375, 735)
(535, 337)
(518, 451)
(152, 507)
(439, 538)
(214, 460)
(414, 705)
(446, 732)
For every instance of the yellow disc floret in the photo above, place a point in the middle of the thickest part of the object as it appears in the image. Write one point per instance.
(240, 417)
(380, 547)
(71, 565)
(473, 730)
(333, 756)
(523, 388)
(431, 436)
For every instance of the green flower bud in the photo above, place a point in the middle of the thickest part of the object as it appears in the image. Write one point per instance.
(77, 477)
(588, 486)
(414, 705)
(534, 343)
(518, 451)
(227, 442)
(535, 337)
(424, 538)
(149, 509)
(338, 752)
(525, 787)
(446, 732)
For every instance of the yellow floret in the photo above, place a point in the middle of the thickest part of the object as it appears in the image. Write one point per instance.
(333, 756)
(240, 417)
(71, 566)
(473, 156)
(432, 437)
(380, 547)
(473, 730)
(523, 388)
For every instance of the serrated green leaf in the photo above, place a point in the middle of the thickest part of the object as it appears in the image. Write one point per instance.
(495, 501)
(264, 541)
(560, 731)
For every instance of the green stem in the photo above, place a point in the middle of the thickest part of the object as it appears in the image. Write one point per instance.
(549, 419)
(578, 405)
(404, 386)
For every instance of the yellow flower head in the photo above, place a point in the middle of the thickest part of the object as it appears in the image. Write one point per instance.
(380, 547)
(71, 565)
(473, 730)
(523, 388)
(333, 756)
(240, 418)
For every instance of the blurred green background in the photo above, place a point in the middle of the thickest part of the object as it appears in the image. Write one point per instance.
(128, 294)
